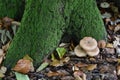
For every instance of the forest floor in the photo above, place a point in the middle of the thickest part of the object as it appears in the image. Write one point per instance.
(64, 63)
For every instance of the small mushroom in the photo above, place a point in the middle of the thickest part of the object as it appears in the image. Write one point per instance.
(93, 52)
(88, 43)
(101, 44)
(79, 51)
(105, 5)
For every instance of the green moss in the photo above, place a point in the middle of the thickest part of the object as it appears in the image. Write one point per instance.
(86, 21)
(12, 8)
(42, 26)
(45, 21)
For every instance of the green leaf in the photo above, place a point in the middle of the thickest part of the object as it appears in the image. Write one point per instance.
(42, 66)
(20, 76)
(3, 37)
(61, 51)
(8, 35)
(52, 57)
(14, 28)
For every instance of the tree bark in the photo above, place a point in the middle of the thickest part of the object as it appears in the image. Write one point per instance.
(45, 21)
(12, 8)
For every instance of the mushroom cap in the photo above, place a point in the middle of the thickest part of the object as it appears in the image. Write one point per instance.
(79, 51)
(101, 44)
(93, 52)
(88, 43)
(105, 5)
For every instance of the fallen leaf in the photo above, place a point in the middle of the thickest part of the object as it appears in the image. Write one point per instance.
(106, 68)
(63, 72)
(75, 68)
(1, 52)
(110, 50)
(23, 66)
(2, 75)
(20, 76)
(56, 63)
(84, 76)
(118, 60)
(91, 67)
(72, 46)
(3, 69)
(51, 74)
(42, 66)
(5, 47)
(27, 57)
(109, 45)
(1, 59)
(66, 59)
(81, 64)
(118, 70)
(65, 45)
(78, 75)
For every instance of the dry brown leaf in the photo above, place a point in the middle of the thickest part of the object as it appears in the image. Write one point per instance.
(51, 74)
(78, 75)
(1, 59)
(75, 68)
(64, 72)
(84, 76)
(91, 66)
(23, 66)
(56, 63)
(81, 64)
(118, 70)
(5, 47)
(72, 46)
(110, 50)
(109, 45)
(66, 59)
(111, 59)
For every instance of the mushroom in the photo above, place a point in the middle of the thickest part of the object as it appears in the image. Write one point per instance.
(93, 52)
(104, 5)
(101, 44)
(88, 43)
(79, 51)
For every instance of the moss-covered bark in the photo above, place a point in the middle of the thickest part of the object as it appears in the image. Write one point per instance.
(12, 8)
(41, 29)
(44, 22)
(86, 21)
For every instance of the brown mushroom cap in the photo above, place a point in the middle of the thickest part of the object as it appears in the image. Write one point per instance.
(93, 52)
(79, 51)
(88, 43)
(101, 44)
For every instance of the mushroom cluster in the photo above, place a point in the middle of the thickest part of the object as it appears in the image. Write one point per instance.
(87, 46)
